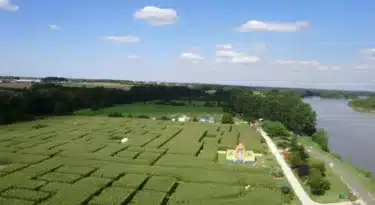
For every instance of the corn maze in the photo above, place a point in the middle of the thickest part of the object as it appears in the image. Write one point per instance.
(80, 160)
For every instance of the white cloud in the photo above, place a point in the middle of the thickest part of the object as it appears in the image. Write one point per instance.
(193, 57)
(225, 53)
(254, 25)
(54, 27)
(122, 39)
(369, 53)
(133, 57)
(298, 62)
(157, 16)
(8, 6)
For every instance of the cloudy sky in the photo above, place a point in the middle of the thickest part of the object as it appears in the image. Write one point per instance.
(293, 43)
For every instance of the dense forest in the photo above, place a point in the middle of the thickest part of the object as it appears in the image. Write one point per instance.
(285, 107)
(50, 99)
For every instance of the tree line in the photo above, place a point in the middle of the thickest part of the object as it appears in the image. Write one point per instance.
(285, 107)
(51, 99)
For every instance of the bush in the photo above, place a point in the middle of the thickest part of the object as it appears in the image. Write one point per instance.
(195, 119)
(143, 116)
(318, 165)
(115, 114)
(318, 184)
(165, 118)
(39, 126)
(321, 138)
(227, 118)
(275, 129)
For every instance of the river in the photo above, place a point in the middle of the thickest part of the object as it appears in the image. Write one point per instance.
(351, 133)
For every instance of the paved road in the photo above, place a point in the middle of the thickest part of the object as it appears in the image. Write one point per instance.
(294, 182)
(347, 178)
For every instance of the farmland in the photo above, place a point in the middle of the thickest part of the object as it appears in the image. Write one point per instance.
(151, 109)
(79, 160)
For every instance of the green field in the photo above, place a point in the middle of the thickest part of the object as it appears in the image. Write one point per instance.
(79, 160)
(98, 84)
(151, 109)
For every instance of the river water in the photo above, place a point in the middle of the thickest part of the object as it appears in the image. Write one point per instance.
(351, 134)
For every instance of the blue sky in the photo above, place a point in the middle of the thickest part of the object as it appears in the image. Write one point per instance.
(323, 44)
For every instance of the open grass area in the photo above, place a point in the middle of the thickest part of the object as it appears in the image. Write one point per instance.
(355, 172)
(154, 110)
(79, 160)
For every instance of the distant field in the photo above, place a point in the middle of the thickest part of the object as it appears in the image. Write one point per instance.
(14, 85)
(154, 110)
(99, 84)
(79, 160)
(89, 85)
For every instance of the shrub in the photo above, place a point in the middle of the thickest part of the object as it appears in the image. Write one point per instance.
(131, 181)
(275, 129)
(39, 126)
(162, 184)
(318, 184)
(113, 195)
(143, 116)
(321, 138)
(165, 118)
(227, 118)
(115, 114)
(144, 197)
(25, 194)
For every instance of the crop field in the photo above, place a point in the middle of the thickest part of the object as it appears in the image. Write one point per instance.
(14, 85)
(153, 110)
(98, 84)
(80, 160)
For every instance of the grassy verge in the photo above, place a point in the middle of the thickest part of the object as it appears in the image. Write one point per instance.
(332, 195)
(367, 183)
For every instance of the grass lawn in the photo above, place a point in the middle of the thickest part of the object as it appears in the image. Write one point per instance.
(154, 110)
(368, 183)
(162, 163)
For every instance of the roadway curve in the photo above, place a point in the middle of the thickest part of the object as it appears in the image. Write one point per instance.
(294, 182)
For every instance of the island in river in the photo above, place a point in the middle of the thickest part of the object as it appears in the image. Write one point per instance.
(363, 104)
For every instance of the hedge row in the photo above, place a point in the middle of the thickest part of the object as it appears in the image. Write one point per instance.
(113, 196)
(82, 171)
(78, 192)
(131, 181)
(144, 197)
(60, 177)
(25, 194)
(13, 201)
(162, 184)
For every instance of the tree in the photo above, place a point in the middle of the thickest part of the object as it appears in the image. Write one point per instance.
(275, 129)
(318, 165)
(295, 160)
(227, 118)
(318, 184)
(321, 138)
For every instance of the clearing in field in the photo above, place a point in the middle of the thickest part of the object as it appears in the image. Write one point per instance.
(80, 160)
